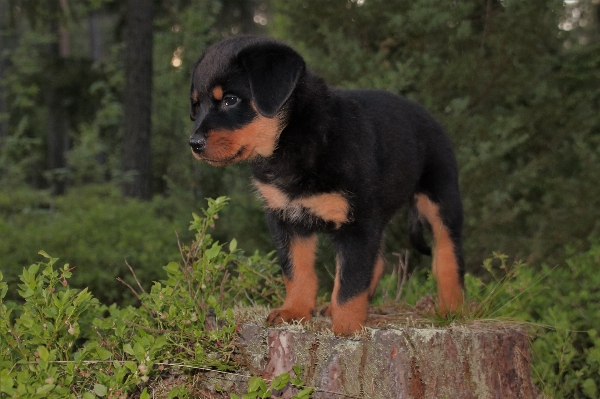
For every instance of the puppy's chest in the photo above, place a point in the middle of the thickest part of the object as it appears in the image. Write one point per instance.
(328, 207)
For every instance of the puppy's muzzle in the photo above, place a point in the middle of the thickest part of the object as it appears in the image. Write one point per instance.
(198, 143)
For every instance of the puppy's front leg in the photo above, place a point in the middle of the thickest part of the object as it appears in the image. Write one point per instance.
(359, 266)
(297, 252)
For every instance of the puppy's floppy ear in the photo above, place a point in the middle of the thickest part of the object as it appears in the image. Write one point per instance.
(273, 70)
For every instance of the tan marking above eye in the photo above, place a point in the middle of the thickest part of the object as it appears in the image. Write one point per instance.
(217, 93)
(331, 207)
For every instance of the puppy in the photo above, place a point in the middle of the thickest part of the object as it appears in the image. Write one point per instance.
(328, 160)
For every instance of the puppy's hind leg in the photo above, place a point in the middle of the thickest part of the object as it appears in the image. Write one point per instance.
(445, 218)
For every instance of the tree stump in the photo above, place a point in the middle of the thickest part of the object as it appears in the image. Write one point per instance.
(478, 360)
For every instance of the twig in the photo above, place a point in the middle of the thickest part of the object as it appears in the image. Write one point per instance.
(248, 296)
(402, 277)
(119, 279)
(385, 291)
(180, 248)
(135, 277)
(222, 287)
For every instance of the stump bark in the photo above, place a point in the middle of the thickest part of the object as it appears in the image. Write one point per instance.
(393, 362)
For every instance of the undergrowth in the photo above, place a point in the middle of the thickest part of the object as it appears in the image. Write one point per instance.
(62, 342)
(58, 341)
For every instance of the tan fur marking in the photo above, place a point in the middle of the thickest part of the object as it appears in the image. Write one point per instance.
(217, 93)
(445, 264)
(195, 96)
(265, 132)
(258, 138)
(301, 289)
(330, 207)
(273, 196)
(376, 276)
(352, 315)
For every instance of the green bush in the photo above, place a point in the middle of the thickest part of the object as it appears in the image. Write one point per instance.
(62, 342)
(95, 230)
(567, 355)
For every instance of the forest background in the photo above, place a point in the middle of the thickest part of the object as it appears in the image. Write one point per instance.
(94, 121)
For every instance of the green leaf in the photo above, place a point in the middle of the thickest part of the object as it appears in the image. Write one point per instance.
(178, 393)
(6, 381)
(131, 366)
(43, 353)
(128, 349)
(103, 354)
(257, 384)
(100, 390)
(280, 381)
(590, 388)
(213, 251)
(232, 248)
(26, 321)
(51, 312)
(45, 389)
(139, 351)
(172, 267)
(304, 394)
(145, 394)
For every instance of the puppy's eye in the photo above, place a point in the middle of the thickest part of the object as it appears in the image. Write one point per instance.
(230, 100)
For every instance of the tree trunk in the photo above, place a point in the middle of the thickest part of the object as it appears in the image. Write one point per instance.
(94, 36)
(137, 98)
(3, 31)
(403, 362)
(57, 140)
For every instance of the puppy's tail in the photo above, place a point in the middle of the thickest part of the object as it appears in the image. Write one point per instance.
(415, 230)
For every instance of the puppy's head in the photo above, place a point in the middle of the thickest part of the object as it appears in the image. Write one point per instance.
(238, 92)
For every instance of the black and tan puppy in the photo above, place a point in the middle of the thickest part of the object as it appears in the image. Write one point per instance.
(327, 160)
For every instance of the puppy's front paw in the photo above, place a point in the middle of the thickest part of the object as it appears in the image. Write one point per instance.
(349, 317)
(347, 326)
(281, 315)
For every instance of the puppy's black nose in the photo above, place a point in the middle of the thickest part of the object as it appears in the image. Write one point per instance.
(198, 143)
